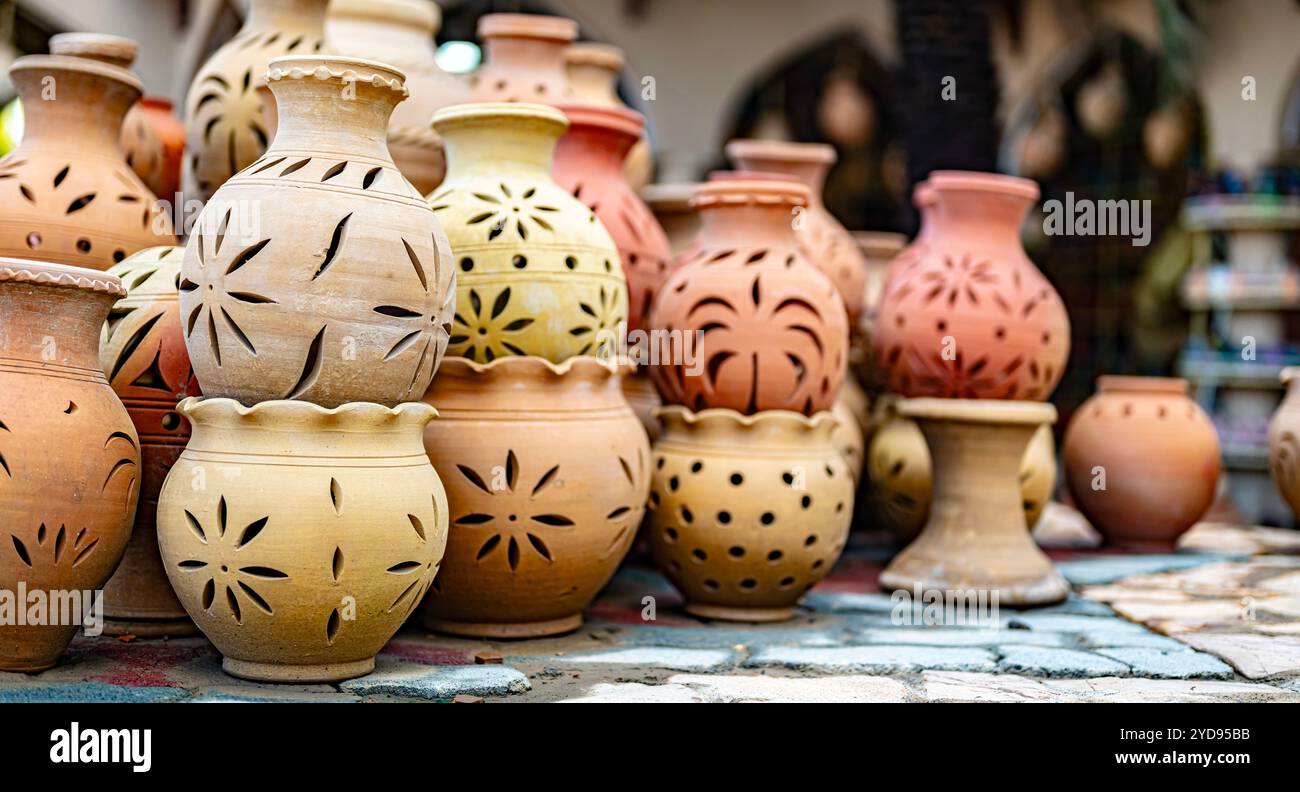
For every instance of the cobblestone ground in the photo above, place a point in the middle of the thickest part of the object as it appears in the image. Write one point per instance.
(1217, 621)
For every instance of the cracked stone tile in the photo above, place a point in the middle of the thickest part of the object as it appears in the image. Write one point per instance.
(1179, 617)
(1254, 656)
(1058, 662)
(1064, 622)
(1180, 663)
(956, 686)
(656, 657)
(754, 688)
(637, 693)
(1109, 568)
(874, 659)
(1124, 640)
(399, 678)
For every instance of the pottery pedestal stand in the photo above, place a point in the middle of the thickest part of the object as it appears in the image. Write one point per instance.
(976, 537)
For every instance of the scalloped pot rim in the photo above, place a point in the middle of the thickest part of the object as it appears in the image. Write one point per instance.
(579, 364)
(216, 408)
(377, 73)
(46, 273)
(720, 416)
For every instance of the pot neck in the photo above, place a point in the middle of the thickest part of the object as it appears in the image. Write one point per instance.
(286, 14)
(598, 147)
(810, 174)
(53, 325)
(595, 83)
(395, 35)
(536, 55)
(66, 102)
(980, 204)
(747, 225)
(345, 114)
(493, 144)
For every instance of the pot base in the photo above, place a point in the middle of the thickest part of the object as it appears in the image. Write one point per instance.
(737, 614)
(297, 674)
(17, 667)
(506, 630)
(150, 628)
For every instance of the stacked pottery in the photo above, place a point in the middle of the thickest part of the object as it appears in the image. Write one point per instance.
(750, 499)
(303, 523)
(523, 59)
(546, 466)
(594, 71)
(975, 338)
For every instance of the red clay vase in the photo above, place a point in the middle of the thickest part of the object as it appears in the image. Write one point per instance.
(154, 141)
(523, 59)
(923, 198)
(760, 327)
(972, 317)
(1141, 460)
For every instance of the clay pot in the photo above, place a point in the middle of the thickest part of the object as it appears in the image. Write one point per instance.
(400, 33)
(772, 328)
(643, 397)
(594, 71)
(847, 437)
(1284, 440)
(589, 163)
(142, 350)
(523, 59)
(69, 457)
(538, 272)
(300, 538)
(925, 199)
(826, 243)
(747, 512)
(973, 318)
(547, 472)
(339, 287)
(1155, 451)
(66, 193)
(976, 538)
(222, 111)
(671, 206)
(878, 250)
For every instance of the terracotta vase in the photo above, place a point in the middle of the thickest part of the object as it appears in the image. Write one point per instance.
(756, 325)
(523, 59)
(222, 111)
(976, 538)
(747, 512)
(671, 206)
(826, 243)
(299, 539)
(400, 33)
(589, 163)
(594, 71)
(66, 193)
(1141, 460)
(547, 471)
(142, 350)
(972, 317)
(538, 272)
(1284, 440)
(924, 198)
(69, 457)
(318, 272)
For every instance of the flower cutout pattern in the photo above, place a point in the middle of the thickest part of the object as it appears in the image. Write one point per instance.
(504, 211)
(217, 557)
(484, 333)
(602, 314)
(517, 524)
(215, 300)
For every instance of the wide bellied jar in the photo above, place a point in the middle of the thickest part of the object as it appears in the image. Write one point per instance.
(142, 350)
(971, 316)
(1284, 440)
(67, 195)
(747, 512)
(547, 471)
(400, 33)
(594, 71)
(826, 243)
(523, 59)
(223, 113)
(749, 323)
(318, 272)
(538, 272)
(1142, 460)
(69, 458)
(299, 539)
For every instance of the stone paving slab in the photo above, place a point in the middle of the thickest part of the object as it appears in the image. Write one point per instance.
(1169, 664)
(956, 687)
(752, 688)
(1254, 656)
(873, 659)
(433, 683)
(1107, 568)
(93, 692)
(1058, 662)
(637, 693)
(656, 657)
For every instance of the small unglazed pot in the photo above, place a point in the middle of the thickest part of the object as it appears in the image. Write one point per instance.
(299, 539)
(547, 471)
(747, 512)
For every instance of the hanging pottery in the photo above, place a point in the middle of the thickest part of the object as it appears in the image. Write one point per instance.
(547, 471)
(973, 318)
(222, 111)
(69, 457)
(1284, 440)
(142, 350)
(523, 59)
(594, 71)
(756, 325)
(400, 33)
(825, 242)
(538, 272)
(747, 512)
(66, 194)
(314, 536)
(339, 286)
(1142, 460)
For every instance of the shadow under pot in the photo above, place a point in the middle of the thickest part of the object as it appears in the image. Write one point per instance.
(299, 539)
(547, 471)
(69, 458)
(747, 513)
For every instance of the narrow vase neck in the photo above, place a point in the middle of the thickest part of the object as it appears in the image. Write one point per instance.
(82, 110)
(747, 225)
(979, 213)
(333, 117)
(603, 149)
(542, 56)
(517, 149)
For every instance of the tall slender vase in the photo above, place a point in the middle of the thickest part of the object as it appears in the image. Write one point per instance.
(524, 59)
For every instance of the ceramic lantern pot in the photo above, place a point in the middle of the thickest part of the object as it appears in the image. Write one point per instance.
(747, 512)
(223, 115)
(826, 243)
(1284, 441)
(976, 537)
(594, 71)
(66, 194)
(1141, 460)
(756, 325)
(400, 33)
(142, 350)
(538, 273)
(523, 59)
(69, 457)
(309, 537)
(318, 272)
(547, 471)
